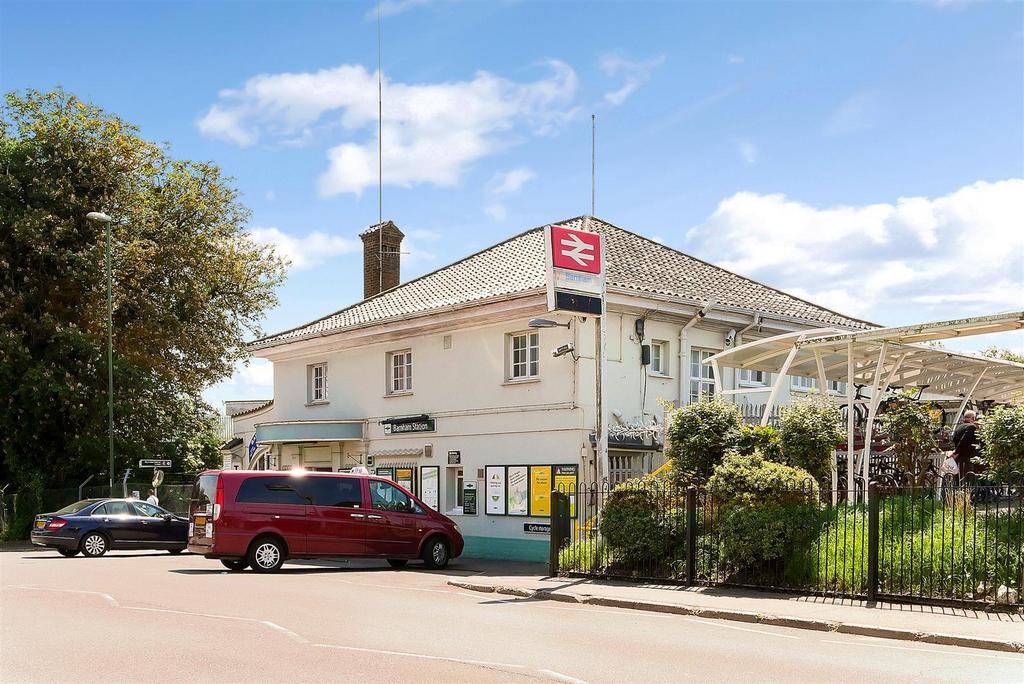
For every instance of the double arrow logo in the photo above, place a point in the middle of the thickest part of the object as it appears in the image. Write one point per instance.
(576, 249)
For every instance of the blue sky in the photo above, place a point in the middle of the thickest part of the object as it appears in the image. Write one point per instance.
(868, 156)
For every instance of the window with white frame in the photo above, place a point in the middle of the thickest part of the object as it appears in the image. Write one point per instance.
(802, 384)
(399, 371)
(316, 383)
(753, 377)
(659, 357)
(837, 387)
(702, 375)
(523, 356)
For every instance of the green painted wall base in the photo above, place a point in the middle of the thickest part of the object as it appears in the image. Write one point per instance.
(506, 549)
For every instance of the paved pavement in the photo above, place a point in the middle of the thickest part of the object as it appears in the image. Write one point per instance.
(158, 617)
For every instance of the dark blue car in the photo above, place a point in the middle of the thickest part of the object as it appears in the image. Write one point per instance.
(95, 526)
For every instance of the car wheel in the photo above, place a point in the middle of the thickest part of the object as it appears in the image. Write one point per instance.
(68, 553)
(435, 553)
(266, 555)
(397, 562)
(234, 564)
(94, 545)
(175, 552)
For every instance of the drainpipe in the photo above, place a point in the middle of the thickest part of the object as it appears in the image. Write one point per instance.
(684, 351)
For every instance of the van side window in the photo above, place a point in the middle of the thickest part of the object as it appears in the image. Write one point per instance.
(340, 492)
(269, 490)
(387, 497)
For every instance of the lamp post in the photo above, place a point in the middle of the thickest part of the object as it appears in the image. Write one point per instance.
(100, 217)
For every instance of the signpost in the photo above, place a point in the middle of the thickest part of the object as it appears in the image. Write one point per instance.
(576, 283)
(154, 463)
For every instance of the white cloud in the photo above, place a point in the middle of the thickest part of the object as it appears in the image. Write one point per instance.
(270, 195)
(424, 234)
(389, 8)
(735, 59)
(954, 255)
(252, 380)
(511, 181)
(496, 211)
(634, 72)
(307, 251)
(432, 131)
(857, 113)
(747, 151)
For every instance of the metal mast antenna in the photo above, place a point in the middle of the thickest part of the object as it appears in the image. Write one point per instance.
(380, 161)
(593, 162)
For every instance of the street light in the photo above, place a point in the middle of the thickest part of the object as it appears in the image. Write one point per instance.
(545, 323)
(100, 217)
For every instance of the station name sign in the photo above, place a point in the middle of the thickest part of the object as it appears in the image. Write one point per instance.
(405, 427)
(575, 270)
(154, 463)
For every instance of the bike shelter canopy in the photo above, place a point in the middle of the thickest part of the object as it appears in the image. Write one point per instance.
(881, 357)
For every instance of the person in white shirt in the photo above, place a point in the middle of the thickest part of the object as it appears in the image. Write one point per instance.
(152, 498)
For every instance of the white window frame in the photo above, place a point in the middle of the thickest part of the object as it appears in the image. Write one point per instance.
(664, 357)
(746, 378)
(399, 382)
(530, 364)
(316, 383)
(702, 383)
(799, 383)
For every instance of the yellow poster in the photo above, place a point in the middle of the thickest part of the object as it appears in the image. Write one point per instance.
(540, 490)
(565, 482)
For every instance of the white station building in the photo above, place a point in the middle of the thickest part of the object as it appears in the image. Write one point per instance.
(440, 384)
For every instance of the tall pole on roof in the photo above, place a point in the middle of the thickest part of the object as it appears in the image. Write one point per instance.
(593, 163)
(380, 160)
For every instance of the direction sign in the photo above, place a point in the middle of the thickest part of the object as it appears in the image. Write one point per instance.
(575, 263)
(154, 463)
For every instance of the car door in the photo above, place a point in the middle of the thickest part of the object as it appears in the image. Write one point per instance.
(336, 516)
(119, 522)
(160, 528)
(393, 527)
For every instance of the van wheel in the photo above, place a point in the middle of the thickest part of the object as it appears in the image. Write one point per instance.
(68, 553)
(94, 545)
(435, 553)
(397, 562)
(266, 555)
(234, 564)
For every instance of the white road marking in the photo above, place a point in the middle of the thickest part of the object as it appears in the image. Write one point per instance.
(959, 652)
(273, 625)
(562, 677)
(106, 597)
(714, 623)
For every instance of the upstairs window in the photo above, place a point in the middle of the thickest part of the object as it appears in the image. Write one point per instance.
(400, 371)
(659, 357)
(316, 383)
(753, 377)
(523, 356)
(702, 375)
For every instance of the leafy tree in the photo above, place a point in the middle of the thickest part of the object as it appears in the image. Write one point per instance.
(1004, 354)
(810, 429)
(1002, 437)
(189, 288)
(699, 435)
(907, 422)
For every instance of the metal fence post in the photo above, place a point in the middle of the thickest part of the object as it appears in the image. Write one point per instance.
(691, 535)
(872, 541)
(555, 540)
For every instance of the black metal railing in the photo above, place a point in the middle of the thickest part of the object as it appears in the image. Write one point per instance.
(951, 542)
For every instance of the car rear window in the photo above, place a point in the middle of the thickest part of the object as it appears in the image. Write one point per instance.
(204, 492)
(343, 492)
(270, 490)
(76, 507)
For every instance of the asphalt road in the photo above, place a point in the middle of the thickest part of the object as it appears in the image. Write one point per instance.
(156, 617)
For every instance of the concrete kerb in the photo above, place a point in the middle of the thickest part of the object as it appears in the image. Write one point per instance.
(745, 616)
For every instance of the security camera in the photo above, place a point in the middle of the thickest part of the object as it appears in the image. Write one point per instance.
(730, 338)
(566, 348)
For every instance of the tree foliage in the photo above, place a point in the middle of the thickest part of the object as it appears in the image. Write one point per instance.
(189, 288)
(907, 422)
(810, 429)
(1002, 437)
(699, 435)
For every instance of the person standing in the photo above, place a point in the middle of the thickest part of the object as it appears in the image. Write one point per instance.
(965, 442)
(152, 498)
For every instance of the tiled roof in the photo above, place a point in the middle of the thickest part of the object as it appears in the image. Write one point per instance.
(633, 262)
(242, 407)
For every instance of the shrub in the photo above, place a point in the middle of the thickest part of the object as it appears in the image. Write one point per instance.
(585, 555)
(27, 504)
(908, 424)
(763, 438)
(753, 536)
(699, 435)
(755, 481)
(810, 429)
(634, 521)
(1002, 435)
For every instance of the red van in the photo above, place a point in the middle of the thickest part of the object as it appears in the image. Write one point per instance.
(261, 518)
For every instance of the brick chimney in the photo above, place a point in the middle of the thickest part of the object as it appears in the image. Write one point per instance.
(382, 253)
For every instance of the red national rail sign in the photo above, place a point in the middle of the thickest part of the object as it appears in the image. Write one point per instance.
(575, 250)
